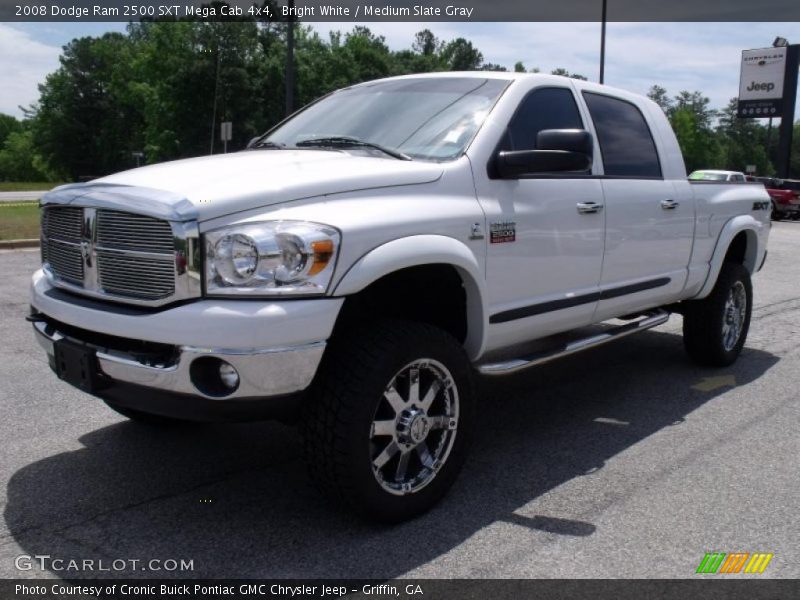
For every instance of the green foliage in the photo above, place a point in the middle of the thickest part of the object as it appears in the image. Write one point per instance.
(565, 73)
(711, 139)
(8, 125)
(19, 159)
(461, 55)
(165, 86)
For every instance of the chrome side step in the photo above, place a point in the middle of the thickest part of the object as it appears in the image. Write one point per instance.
(646, 321)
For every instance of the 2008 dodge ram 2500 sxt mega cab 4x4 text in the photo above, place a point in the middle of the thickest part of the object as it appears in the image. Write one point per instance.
(356, 265)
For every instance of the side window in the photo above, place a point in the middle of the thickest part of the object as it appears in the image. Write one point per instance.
(625, 140)
(738, 178)
(546, 108)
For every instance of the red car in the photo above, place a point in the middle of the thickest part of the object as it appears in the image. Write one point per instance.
(785, 194)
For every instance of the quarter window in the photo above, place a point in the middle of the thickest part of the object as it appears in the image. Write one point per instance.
(626, 142)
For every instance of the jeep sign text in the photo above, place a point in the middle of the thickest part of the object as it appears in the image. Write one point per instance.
(761, 82)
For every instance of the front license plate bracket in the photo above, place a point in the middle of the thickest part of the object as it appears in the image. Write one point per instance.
(76, 364)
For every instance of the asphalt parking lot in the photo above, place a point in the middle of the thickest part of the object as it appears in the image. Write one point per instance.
(628, 461)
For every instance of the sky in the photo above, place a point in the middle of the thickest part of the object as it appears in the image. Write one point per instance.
(676, 56)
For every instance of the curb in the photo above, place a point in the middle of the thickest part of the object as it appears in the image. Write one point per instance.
(17, 244)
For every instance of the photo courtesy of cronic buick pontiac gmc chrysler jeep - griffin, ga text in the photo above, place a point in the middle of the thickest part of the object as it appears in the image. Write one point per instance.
(357, 266)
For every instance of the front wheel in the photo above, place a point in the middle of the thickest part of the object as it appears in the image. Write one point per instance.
(388, 425)
(715, 328)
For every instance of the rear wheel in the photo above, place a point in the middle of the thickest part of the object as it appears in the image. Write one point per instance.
(387, 429)
(715, 328)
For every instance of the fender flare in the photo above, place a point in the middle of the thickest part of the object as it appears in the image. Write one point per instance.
(741, 223)
(418, 250)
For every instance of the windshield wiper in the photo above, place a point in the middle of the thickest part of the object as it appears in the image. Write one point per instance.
(346, 141)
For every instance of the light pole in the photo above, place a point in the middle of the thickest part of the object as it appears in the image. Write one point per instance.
(603, 44)
(290, 60)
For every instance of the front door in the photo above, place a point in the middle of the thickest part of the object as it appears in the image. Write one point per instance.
(546, 234)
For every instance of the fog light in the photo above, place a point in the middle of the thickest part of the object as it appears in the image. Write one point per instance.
(228, 375)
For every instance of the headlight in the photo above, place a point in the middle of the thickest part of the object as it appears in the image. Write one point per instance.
(272, 258)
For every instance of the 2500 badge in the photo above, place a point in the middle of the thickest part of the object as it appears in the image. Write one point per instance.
(502, 232)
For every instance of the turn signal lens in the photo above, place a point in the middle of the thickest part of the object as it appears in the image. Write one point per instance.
(322, 254)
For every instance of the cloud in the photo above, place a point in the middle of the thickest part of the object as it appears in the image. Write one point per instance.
(26, 63)
(676, 56)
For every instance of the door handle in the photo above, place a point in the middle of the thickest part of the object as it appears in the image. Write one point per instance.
(586, 208)
(669, 204)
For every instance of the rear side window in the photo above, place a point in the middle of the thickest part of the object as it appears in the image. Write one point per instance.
(625, 140)
(546, 108)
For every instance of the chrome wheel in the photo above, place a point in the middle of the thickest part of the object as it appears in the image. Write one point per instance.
(734, 316)
(414, 427)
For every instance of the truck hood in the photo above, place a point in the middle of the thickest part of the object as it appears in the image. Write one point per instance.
(214, 186)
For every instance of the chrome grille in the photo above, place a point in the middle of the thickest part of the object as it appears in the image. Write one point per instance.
(137, 276)
(135, 255)
(127, 231)
(61, 242)
(119, 255)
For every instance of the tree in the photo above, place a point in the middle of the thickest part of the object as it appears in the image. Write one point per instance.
(461, 55)
(691, 119)
(564, 73)
(659, 95)
(519, 67)
(698, 104)
(19, 160)
(698, 144)
(84, 123)
(426, 43)
(8, 125)
(743, 141)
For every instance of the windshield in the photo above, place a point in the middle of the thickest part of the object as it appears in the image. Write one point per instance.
(706, 176)
(423, 118)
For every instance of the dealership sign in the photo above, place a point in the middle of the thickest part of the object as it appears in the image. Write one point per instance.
(761, 83)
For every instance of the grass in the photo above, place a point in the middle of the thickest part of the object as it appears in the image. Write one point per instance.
(27, 186)
(19, 220)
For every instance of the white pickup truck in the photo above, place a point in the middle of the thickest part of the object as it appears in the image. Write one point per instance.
(360, 263)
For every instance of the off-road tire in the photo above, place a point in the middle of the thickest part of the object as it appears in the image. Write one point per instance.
(704, 320)
(337, 420)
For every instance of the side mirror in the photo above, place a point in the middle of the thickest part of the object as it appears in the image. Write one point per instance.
(557, 151)
(252, 142)
(571, 140)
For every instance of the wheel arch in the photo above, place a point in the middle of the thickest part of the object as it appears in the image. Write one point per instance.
(738, 242)
(425, 253)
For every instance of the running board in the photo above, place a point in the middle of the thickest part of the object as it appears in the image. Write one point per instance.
(646, 321)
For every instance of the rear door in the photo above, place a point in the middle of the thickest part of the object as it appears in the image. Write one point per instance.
(649, 220)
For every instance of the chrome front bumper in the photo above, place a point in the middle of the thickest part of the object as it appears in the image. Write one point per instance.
(263, 372)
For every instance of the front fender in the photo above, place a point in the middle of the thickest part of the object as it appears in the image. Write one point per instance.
(756, 245)
(420, 250)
